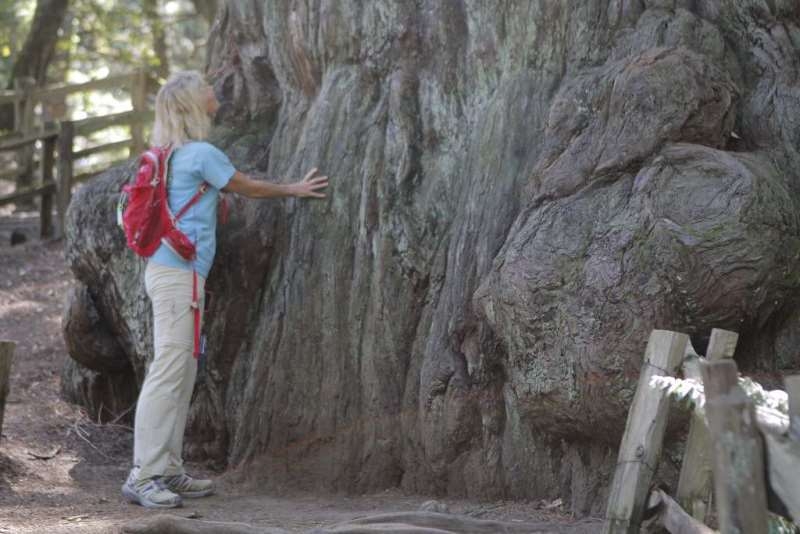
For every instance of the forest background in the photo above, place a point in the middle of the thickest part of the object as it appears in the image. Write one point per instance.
(74, 41)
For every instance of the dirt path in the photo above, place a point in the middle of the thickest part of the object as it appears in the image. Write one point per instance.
(60, 472)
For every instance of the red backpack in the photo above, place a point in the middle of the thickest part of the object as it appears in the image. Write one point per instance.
(143, 212)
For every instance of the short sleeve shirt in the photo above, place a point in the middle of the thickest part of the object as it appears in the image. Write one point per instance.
(190, 165)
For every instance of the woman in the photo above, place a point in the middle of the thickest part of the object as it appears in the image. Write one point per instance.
(184, 107)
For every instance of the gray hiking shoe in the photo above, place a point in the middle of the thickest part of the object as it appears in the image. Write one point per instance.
(189, 487)
(150, 493)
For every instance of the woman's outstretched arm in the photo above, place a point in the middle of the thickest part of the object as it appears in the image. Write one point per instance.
(309, 186)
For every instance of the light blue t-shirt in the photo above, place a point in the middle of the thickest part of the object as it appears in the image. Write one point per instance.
(190, 165)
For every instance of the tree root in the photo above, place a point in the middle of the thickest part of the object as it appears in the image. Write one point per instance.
(430, 523)
(394, 523)
(171, 524)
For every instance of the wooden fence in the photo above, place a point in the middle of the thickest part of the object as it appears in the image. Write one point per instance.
(57, 142)
(725, 450)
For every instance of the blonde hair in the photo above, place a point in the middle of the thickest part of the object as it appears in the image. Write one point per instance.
(181, 110)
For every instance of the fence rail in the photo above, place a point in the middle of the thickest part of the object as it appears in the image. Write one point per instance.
(61, 90)
(49, 139)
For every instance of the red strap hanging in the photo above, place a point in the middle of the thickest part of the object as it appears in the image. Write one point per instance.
(224, 208)
(196, 311)
(195, 297)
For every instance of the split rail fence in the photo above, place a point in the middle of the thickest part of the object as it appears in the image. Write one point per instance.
(45, 152)
(725, 451)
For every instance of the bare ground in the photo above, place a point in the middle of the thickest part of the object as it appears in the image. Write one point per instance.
(61, 472)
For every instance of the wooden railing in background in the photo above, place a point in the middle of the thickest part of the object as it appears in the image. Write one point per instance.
(27, 134)
(47, 188)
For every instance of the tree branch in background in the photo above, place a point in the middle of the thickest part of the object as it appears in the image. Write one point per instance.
(41, 41)
(37, 51)
(156, 22)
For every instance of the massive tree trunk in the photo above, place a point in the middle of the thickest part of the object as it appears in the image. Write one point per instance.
(520, 192)
(37, 51)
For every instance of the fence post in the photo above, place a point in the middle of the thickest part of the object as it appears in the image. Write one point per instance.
(6, 355)
(66, 137)
(46, 208)
(738, 456)
(694, 484)
(24, 124)
(783, 453)
(644, 434)
(139, 102)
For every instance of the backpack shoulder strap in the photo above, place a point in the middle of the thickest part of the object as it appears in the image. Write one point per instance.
(192, 201)
(166, 154)
(152, 155)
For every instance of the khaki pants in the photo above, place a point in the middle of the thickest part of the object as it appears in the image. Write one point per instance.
(164, 399)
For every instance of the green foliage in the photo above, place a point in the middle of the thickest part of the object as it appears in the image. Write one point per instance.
(15, 20)
(691, 392)
(780, 525)
(104, 37)
(685, 390)
(775, 399)
(100, 38)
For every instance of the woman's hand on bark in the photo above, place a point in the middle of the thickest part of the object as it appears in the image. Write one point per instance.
(311, 185)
